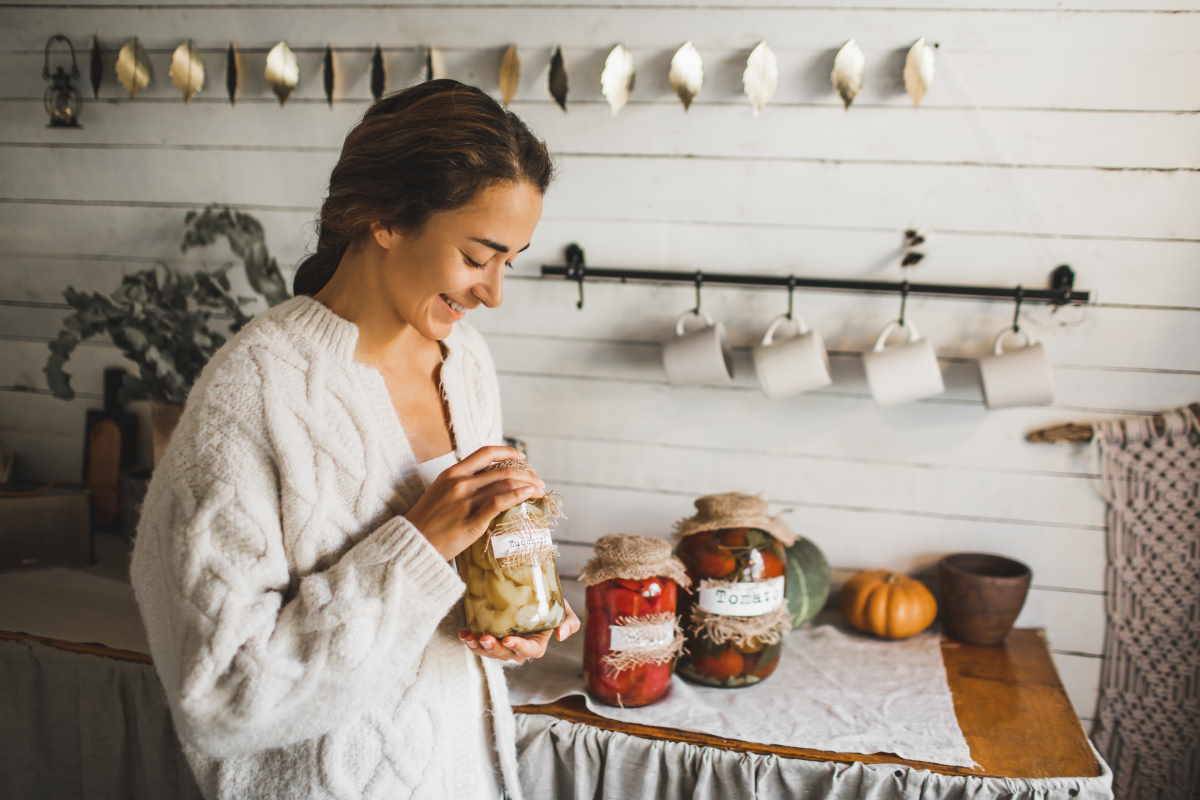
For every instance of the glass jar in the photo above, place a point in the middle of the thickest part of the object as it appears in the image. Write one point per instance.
(734, 622)
(626, 618)
(511, 574)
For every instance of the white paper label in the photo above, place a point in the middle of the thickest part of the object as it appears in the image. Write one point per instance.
(640, 637)
(510, 544)
(743, 599)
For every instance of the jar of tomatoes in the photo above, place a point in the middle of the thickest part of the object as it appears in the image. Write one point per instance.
(511, 572)
(632, 635)
(734, 553)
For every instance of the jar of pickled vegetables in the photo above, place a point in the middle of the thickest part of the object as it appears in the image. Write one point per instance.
(511, 572)
(734, 553)
(632, 634)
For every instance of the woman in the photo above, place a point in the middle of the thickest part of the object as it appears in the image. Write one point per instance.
(292, 558)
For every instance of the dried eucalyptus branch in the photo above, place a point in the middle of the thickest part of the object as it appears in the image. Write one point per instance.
(161, 319)
(245, 236)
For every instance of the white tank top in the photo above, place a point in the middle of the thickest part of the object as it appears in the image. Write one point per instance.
(429, 470)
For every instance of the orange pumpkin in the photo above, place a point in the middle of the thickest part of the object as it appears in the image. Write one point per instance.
(888, 604)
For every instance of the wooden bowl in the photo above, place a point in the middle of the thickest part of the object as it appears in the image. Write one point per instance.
(982, 595)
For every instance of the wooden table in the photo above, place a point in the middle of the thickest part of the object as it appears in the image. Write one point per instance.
(1009, 701)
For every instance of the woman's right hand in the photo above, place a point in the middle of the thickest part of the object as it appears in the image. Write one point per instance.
(458, 506)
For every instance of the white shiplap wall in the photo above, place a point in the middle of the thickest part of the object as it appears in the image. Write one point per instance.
(1055, 133)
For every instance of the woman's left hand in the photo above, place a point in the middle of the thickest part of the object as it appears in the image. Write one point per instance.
(519, 648)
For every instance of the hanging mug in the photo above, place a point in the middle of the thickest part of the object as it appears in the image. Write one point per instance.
(793, 365)
(904, 372)
(700, 356)
(1020, 377)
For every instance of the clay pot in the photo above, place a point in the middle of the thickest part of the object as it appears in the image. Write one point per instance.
(982, 595)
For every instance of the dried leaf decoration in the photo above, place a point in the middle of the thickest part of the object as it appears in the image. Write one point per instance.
(133, 68)
(761, 76)
(558, 78)
(918, 71)
(687, 74)
(435, 64)
(378, 73)
(327, 74)
(847, 75)
(283, 71)
(97, 66)
(186, 71)
(231, 73)
(617, 79)
(510, 74)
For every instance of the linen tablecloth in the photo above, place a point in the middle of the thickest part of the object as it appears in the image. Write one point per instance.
(833, 690)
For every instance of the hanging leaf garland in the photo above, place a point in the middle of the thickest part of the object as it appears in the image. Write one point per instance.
(186, 71)
(378, 73)
(435, 64)
(687, 74)
(847, 75)
(558, 78)
(918, 70)
(510, 74)
(282, 71)
(132, 67)
(96, 71)
(617, 79)
(231, 73)
(760, 79)
(327, 74)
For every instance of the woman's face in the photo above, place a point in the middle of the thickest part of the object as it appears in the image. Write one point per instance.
(460, 255)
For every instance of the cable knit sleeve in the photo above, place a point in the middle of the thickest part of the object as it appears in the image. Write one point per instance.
(253, 657)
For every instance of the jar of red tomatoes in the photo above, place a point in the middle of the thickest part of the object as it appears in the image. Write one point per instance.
(632, 635)
(734, 553)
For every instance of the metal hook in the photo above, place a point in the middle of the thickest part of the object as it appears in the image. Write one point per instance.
(903, 300)
(1016, 326)
(699, 280)
(791, 294)
(576, 269)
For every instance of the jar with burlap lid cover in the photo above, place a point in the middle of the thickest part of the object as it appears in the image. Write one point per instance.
(511, 571)
(734, 624)
(632, 634)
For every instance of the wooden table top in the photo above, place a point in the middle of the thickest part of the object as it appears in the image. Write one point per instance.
(1011, 707)
(1009, 701)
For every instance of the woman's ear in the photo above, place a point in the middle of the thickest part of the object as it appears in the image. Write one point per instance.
(384, 236)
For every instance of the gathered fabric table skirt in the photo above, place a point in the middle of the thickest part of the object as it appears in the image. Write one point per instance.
(562, 759)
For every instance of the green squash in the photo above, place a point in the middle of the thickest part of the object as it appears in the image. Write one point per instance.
(807, 581)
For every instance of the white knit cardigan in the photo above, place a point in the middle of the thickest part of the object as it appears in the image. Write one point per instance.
(303, 629)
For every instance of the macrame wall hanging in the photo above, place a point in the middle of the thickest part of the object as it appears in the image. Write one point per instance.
(1148, 719)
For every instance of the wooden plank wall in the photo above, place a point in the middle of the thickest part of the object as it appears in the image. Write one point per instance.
(1056, 132)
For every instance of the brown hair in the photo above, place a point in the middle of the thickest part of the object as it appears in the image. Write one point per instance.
(427, 148)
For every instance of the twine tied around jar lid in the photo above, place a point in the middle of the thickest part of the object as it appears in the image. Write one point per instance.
(744, 632)
(617, 661)
(632, 557)
(733, 510)
(534, 514)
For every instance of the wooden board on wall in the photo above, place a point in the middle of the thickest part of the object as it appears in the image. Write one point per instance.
(1055, 133)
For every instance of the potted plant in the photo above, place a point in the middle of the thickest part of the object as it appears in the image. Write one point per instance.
(166, 321)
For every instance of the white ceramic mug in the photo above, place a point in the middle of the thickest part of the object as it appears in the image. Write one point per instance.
(1020, 377)
(905, 372)
(700, 356)
(793, 365)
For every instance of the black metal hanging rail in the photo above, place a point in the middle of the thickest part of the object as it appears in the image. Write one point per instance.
(1061, 292)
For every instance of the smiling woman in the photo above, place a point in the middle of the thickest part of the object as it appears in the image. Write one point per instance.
(291, 562)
